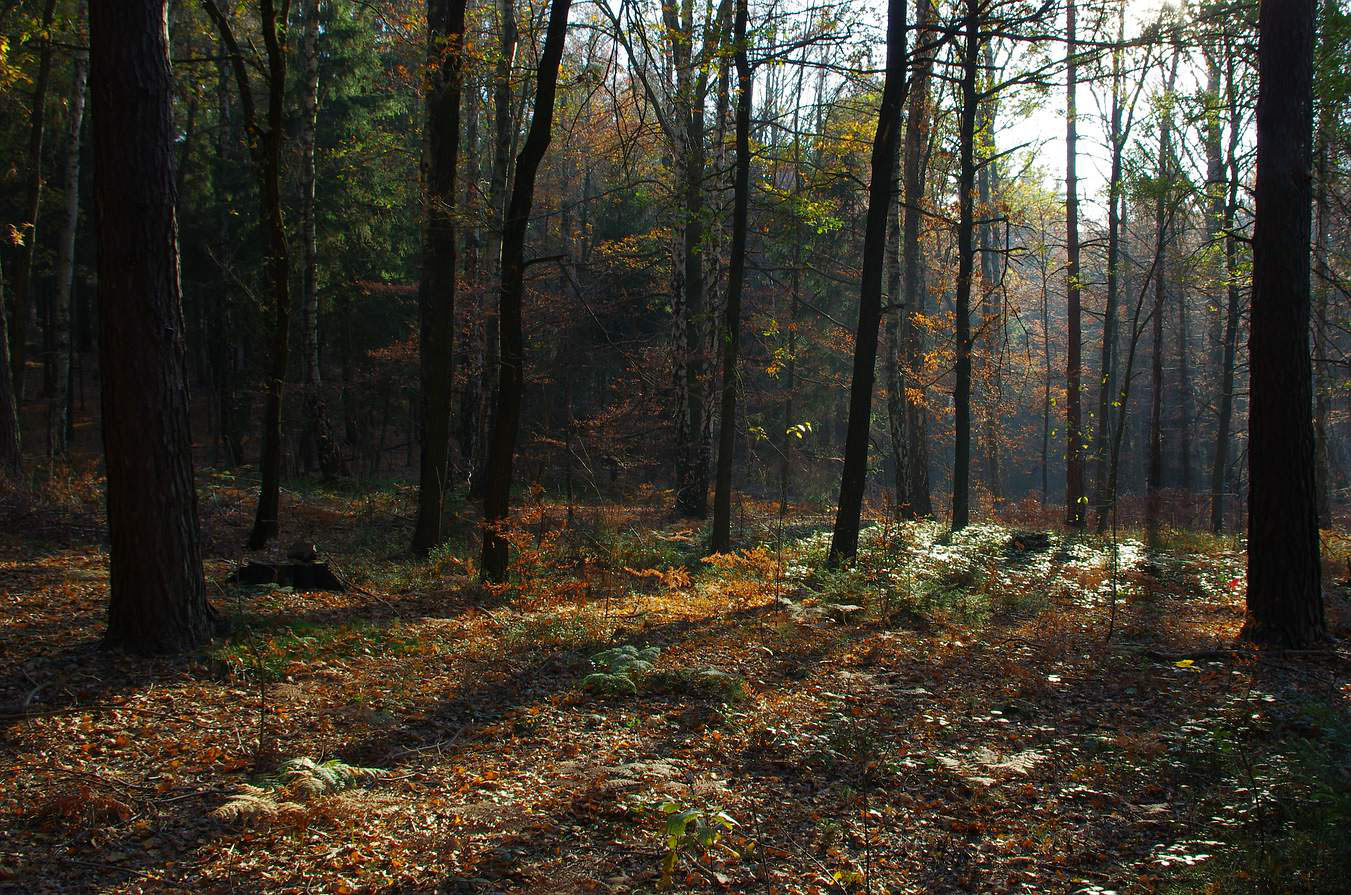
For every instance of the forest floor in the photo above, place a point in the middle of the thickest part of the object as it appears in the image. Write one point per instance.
(947, 715)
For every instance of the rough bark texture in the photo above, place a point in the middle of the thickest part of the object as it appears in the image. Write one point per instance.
(1285, 596)
(844, 542)
(158, 597)
(736, 274)
(511, 381)
(436, 299)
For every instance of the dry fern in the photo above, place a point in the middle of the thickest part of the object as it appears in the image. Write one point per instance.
(281, 795)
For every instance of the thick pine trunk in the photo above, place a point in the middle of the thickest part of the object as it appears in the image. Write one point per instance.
(436, 296)
(853, 479)
(511, 383)
(1285, 595)
(736, 274)
(158, 596)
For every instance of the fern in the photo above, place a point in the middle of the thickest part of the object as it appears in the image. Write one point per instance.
(281, 795)
(616, 668)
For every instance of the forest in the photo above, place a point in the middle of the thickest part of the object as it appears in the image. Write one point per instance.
(800, 447)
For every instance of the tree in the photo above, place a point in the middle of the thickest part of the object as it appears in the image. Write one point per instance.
(1285, 593)
(1075, 500)
(58, 412)
(511, 376)
(736, 274)
(11, 459)
(1163, 220)
(966, 184)
(916, 502)
(844, 541)
(157, 593)
(436, 292)
(265, 144)
(318, 447)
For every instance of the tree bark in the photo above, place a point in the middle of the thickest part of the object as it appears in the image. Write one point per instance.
(436, 296)
(917, 502)
(511, 382)
(736, 274)
(157, 593)
(1285, 594)
(966, 185)
(853, 479)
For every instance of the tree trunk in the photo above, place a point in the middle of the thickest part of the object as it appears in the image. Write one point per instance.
(58, 410)
(894, 361)
(853, 479)
(227, 350)
(736, 273)
(917, 502)
(436, 296)
(1285, 594)
(278, 264)
(511, 383)
(1162, 220)
(157, 593)
(966, 185)
(1075, 499)
(265, 144)
(1324, 379)
(319, 449)
(504, 132)
(23, 272)
(1107, 359)
(11, 459)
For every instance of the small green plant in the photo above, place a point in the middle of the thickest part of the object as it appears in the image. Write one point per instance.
(699, 683)
(694, 832)
(616, 669)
